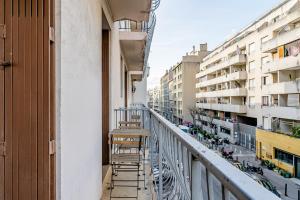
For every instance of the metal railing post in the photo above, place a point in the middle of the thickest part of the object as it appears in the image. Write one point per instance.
(197, 193)
(151, 141)
(160, 185)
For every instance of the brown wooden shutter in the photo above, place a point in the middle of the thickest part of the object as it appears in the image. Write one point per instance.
(27, 100)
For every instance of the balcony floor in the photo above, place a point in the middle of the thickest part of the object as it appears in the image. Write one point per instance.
(147, 194)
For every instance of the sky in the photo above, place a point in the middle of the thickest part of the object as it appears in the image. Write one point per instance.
(184, 23)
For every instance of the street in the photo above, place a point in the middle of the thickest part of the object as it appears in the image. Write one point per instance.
(245, 156)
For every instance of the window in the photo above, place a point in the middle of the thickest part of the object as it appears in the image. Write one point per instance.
(251, 48)
(251, 102)
(251, 66)
(264, 61)
(284, 156)
(265, 101)
(225, 130)
(264, 80)
(252, 84)
(264, 39)
(292, 49)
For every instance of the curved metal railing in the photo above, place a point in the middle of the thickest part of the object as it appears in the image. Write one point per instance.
(185, 169)
(151, 27)
(155, 4)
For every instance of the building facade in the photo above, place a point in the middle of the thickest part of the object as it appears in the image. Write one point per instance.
(253, 78)
(183, 84)
(165, 105)
(154, 99)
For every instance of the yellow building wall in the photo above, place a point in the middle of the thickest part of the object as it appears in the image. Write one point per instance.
(266, 141)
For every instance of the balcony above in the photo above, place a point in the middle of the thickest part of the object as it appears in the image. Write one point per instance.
(241, 75)
(133, 45)
(236, 92)
(282, 39)
(223, 107)
(292, 113)
(287, 63)
(235, 60)
(290, 87)
(136, 76)
(135, 40)
(137, 10)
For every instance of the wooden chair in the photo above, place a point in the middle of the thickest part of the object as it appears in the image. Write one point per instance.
(125, 157)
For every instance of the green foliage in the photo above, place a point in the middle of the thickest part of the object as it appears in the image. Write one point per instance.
(296, 131)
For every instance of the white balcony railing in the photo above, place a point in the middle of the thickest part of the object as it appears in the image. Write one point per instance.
(235, 60)
(290, 87)
(292, 113)
(280, 40)
(241, 75)
(189, 170)
(287, 63)
(236, 92)
(223, 107)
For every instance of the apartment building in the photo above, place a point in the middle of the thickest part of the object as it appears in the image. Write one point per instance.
(253, 79)
(66, 66)
(165, 108)
(154, 98)
(183, 84)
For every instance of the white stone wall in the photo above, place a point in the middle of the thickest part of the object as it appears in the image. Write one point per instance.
(140, 95)
(79, 106)
(117, 94)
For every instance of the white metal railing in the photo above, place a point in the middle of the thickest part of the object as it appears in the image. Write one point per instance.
(185, 169)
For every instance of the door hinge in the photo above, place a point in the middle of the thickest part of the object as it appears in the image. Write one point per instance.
(2, 148)
(51, 34)
(6, 63)
(3, 31)
(52, 147)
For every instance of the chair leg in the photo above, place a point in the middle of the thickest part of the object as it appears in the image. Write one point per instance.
(144, 169)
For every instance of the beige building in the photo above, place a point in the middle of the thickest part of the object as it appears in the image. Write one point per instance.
(254, 77)
(165, 106)
(154, 98)
(183, 84)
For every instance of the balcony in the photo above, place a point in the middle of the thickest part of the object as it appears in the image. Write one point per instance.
(136, 10)
(219, 122)
(136, 76)
(241, 75)
(236, 92)
(282, 39)
(291, 87)
(292, 113)
(183, 168)
(135, 40)
(287, 63)
(223, 107)
(235, 60)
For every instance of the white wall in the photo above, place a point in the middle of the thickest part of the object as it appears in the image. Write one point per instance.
(80, 101)
(117, 91)
(140, 94)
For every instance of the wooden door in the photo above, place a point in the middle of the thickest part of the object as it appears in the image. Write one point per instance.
(105, 96)
(27, 100)
(2, 139)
